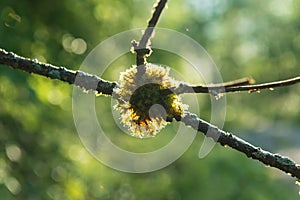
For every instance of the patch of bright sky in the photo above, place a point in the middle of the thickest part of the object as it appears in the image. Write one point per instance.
(208, 7)
(281, 8)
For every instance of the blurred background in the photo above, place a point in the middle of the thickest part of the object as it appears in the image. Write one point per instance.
(41, 155)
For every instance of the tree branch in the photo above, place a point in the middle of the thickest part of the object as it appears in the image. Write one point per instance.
(142, 48)
(238, 82)
(157, 10)
(78, 78)
(94, 83)
(227, 139)
(224, 88)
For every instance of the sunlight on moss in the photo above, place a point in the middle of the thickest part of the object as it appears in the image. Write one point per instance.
(143, 103)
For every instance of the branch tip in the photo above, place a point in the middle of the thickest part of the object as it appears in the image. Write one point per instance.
(278, 161)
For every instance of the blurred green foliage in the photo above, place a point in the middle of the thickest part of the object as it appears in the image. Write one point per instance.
(41, 156)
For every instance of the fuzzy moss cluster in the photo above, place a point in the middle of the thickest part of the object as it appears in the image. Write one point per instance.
(147, 96)
(146, 104)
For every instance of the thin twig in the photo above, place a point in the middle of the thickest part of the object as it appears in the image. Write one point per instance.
(78, 78)
(238, 82)
(258, 87)
(142, 48)
(227, 139)
(219, 88)
(157, 10)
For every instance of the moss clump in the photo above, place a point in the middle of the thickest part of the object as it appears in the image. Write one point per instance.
(146, 102)
(147, 96)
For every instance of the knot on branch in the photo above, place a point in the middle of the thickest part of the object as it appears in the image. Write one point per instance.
(142, 52)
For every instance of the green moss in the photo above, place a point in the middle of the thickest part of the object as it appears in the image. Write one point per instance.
(150, 94)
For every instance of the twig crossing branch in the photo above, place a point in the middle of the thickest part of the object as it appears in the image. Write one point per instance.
(94, 83)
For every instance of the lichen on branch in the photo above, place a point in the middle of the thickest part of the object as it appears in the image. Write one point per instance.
(78, 78)
(143, 102)
(92, 82)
